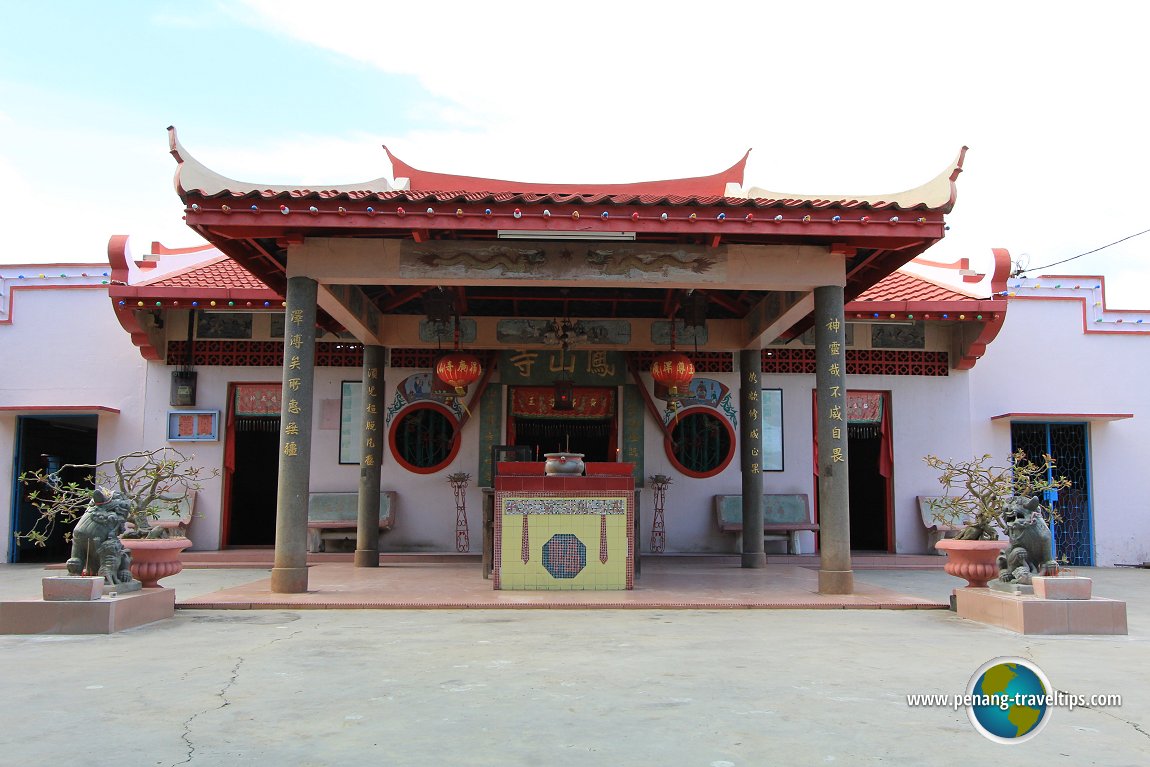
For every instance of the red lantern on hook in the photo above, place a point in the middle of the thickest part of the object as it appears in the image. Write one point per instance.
(459, 370)
(673, 370)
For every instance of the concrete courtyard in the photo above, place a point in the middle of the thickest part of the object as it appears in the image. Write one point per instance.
(706, 688)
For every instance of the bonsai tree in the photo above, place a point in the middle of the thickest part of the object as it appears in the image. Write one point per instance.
(154, 482)
(977, 491)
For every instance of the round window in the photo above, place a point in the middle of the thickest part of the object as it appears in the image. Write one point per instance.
(424, 438)
(701, 443)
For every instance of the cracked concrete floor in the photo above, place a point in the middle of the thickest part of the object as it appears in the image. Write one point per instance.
(724, 688)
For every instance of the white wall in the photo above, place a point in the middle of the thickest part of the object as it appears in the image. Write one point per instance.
(64, 347)
(928, 415)
(1044, 362)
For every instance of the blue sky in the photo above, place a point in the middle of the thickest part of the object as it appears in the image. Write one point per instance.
(848, 98)
(211, 70)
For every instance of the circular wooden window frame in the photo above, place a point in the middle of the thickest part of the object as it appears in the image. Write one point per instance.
(455, 441)
(669, 448)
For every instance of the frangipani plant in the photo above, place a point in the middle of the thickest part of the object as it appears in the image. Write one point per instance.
(155, 482)
(976, 491)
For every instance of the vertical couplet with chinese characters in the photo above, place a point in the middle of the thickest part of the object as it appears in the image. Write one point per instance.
(835, 574)
(750, 432)
(367, 521)
(289, 572)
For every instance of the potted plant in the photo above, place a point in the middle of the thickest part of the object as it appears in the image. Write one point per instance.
(976, 494)
(113, 508)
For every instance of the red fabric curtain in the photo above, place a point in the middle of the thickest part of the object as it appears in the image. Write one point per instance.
(230, 442)
(886, 452)
(539, 402)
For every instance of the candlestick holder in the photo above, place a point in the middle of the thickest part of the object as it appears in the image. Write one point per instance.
(458, 482)
(659, 484)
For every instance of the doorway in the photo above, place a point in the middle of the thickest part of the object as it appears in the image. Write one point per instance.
(871, 467)
(1068, 444)
(45, 442)
(589, 427)
(595, 439)
(868, 488)
(251, 464)
(254, 481)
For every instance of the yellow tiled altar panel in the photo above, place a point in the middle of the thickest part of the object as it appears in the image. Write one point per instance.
(514, 574)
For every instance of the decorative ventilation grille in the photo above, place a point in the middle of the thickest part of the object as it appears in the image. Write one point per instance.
(422, 359)
(887, 362)
(262, 354)
(900, 362)
(705, 362)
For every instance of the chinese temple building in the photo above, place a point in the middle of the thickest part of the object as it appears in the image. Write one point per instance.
(558, 300)
(741, 357)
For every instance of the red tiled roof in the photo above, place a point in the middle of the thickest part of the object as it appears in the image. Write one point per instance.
(901, 286)
(223, 272)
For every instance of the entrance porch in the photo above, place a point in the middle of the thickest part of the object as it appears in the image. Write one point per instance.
(428, 581)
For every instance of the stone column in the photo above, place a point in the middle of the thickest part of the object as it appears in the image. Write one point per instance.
(751, 455)
(289, 571)
(367, 529)
(835, 574)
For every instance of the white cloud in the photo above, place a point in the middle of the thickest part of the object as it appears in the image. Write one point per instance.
(845, 98)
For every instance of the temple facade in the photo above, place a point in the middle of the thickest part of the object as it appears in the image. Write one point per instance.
(302, 351)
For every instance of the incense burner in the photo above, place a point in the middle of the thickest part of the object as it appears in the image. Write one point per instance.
(564, 464)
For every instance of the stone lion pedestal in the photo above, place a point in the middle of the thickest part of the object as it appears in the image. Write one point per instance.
(74, 614)
(1060, 612)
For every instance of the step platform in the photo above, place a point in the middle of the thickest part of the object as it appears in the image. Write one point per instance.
(1027, 614)
(106, 615)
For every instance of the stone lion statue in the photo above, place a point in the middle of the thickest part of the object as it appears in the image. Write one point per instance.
(1031, 548)
(96, 546)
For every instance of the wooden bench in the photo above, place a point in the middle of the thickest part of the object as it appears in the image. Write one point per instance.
(784, 517)
(335, 516)
(935, 530)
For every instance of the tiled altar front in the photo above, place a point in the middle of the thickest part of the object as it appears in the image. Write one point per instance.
(557, 532)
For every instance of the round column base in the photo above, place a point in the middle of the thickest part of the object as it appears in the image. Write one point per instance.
(754, 560)
(289, 580)
(366, 558)
(836, 582)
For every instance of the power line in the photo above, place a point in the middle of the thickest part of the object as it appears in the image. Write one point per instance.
(1080, 255)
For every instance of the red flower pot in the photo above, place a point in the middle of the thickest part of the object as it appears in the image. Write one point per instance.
(155, 558)
(976, 562)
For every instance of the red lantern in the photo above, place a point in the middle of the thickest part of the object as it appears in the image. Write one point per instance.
(673, 370)
(459, 370)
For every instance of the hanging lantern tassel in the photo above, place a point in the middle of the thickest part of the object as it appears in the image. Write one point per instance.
(674, 371)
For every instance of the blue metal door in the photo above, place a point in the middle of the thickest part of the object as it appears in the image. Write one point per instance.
(1068, 445)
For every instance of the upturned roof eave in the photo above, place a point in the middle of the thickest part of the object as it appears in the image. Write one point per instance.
(723, 189)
